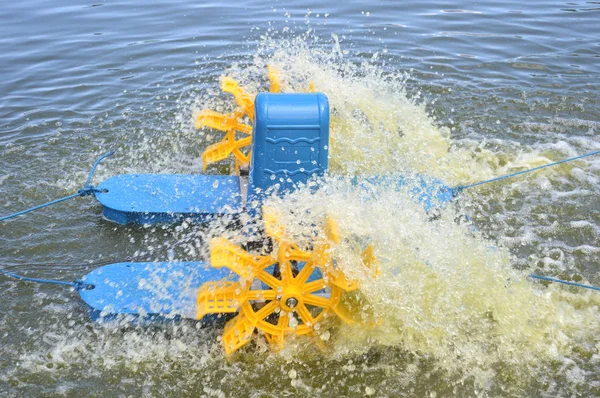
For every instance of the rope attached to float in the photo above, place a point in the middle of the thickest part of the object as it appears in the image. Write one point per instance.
(85, 191)
(93, 264)
(77, 284)
(457, 190)
(549, 279)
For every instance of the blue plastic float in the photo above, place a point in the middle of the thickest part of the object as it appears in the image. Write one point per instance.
(146, 291)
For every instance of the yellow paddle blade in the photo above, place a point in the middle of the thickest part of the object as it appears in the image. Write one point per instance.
(221, 150)
(225, 254)
(243, 99)
(311, 88)
(345, 313)
(222, 122)
(238, 332)
(337, 277)
(216, 152)
(244, 142)
(273, 74)
(219, 297)
(370, 260)
(332, 232)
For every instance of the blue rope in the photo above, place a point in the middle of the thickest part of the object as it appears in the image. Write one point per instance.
(548, 279)
(460, 188)
(77, 285)
(85, 191)
(87, 183)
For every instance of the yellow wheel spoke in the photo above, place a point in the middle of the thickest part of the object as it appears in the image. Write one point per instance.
(299, 255)
(261, 295)
(317, 301)
(269, 279)
(314, 286)
(243, 142)
(285, 268)
(305, 315)
(304, 273)
(283, 320)
(266, 310)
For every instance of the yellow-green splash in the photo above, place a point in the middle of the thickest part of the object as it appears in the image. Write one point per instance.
(445, 291)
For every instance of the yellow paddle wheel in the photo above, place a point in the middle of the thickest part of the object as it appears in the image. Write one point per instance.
(238, 135)
(232, 124)
(290, 291)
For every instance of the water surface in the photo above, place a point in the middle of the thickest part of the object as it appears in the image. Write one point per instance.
(477, 90)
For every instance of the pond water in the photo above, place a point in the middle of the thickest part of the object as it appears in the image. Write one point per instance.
(462, 91)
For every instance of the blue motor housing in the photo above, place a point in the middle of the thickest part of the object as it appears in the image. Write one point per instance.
(290, 143)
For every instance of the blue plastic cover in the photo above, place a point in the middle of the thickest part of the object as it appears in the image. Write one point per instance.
(148, 291)
(290, 142)
(152, 198)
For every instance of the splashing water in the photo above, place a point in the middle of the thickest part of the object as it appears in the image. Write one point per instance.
(376, 127)
(445, 291)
